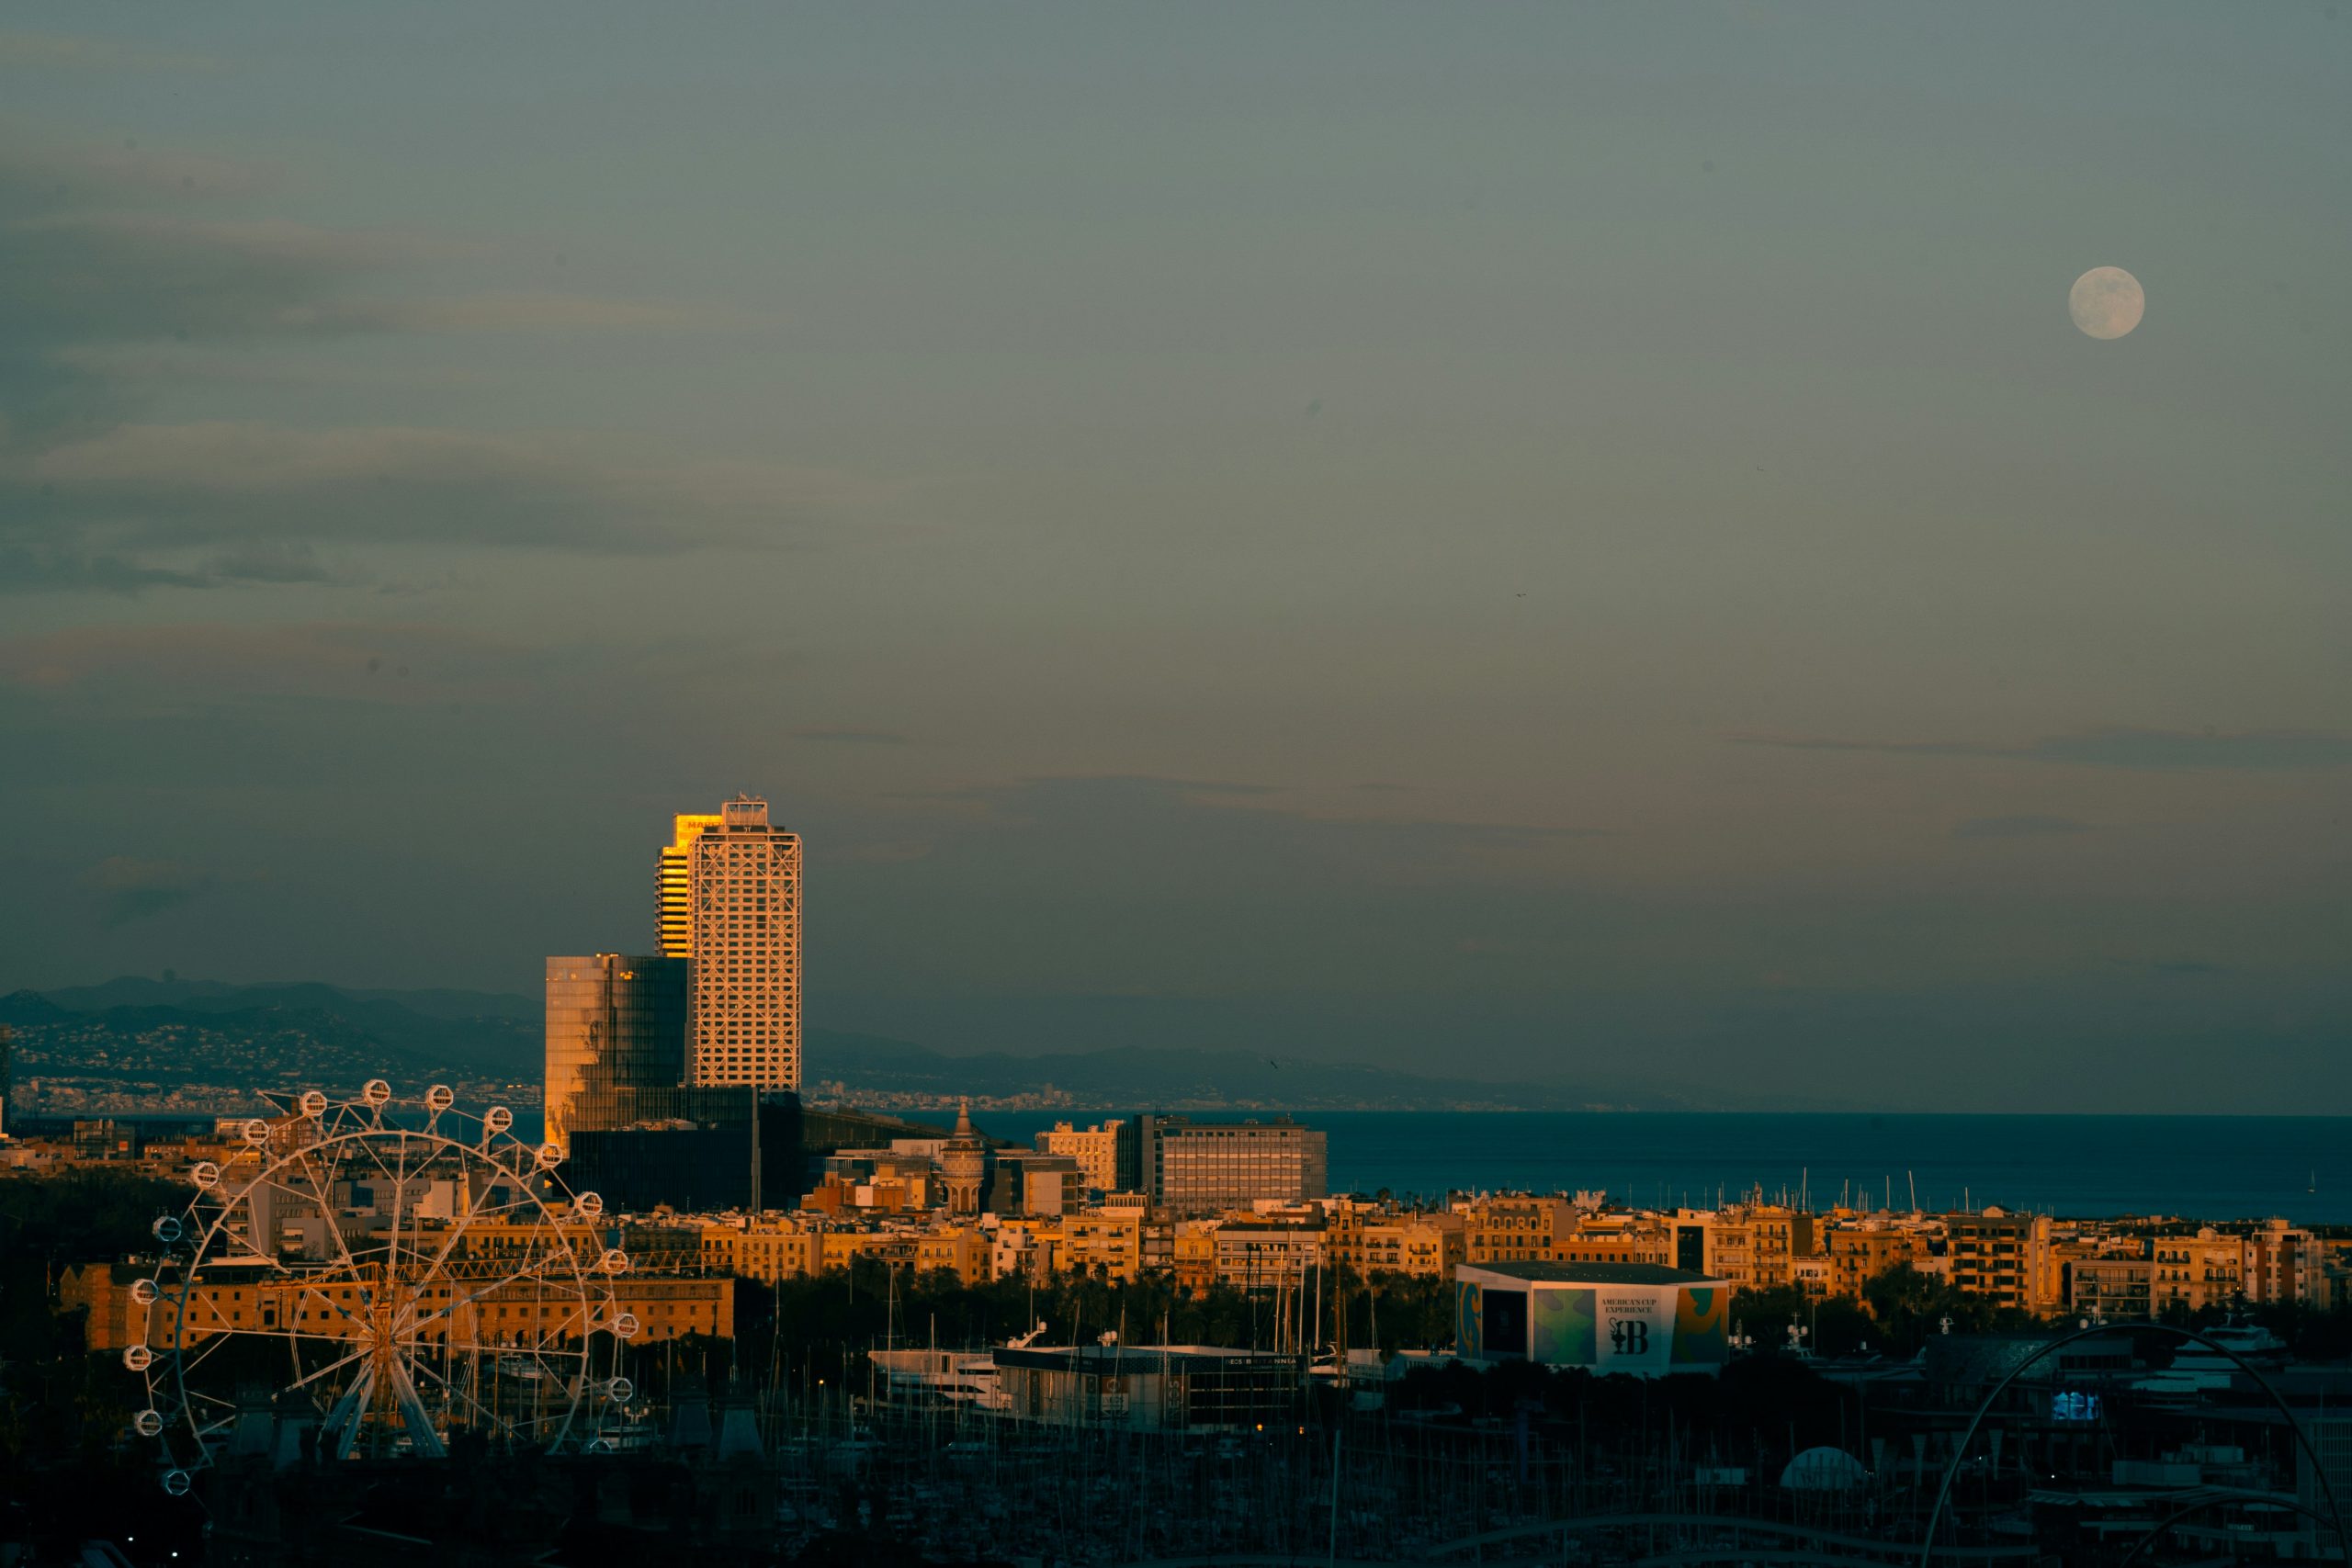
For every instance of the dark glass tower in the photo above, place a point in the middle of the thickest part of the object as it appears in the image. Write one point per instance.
(632, 1129)
(616, 1027)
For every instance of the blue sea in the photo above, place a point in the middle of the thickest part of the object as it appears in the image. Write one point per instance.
(2203, 1167)
(2214, 1167)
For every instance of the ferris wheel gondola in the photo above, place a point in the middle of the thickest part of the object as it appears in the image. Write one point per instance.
(365, 1280)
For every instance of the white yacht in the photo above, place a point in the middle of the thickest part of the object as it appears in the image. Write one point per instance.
(2200, 1369)
(913, 1378)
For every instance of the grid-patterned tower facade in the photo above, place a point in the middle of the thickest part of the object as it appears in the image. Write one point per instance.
(744, 883)
(674, 885)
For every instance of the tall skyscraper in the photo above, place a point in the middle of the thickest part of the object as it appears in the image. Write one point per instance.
(674, 884)
(744, 888)
(616, 1029)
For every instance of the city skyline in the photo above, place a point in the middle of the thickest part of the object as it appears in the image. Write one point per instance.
(1588, 543)
(1428, 783)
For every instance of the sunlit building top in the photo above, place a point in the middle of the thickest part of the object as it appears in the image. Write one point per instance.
(674, 884)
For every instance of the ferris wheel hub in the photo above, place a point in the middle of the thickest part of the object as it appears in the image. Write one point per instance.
(407, 1277)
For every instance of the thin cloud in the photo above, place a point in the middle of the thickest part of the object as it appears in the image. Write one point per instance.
(527, 311)
(114, 287)
(377, 663)
(25, 569)
(67, 51)
(46, 174)
(1058, 798)
(131, 889)
(29, 571)
(159, 487)
(268, 561)
(852, 737)
(2259, 751)
(2027, 827)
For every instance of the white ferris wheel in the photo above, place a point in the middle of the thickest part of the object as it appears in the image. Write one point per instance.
(366, 1279)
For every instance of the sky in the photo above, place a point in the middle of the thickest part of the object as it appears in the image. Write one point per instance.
(1530, 542)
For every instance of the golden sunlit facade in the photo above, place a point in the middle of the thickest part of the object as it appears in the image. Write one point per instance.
(674, 884)
(264, 1300)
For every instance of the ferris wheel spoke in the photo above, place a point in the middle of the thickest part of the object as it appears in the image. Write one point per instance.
(413, 1414)
(474, 1212)
(550, 1342)
(492, 1288)
(488, 1418)
(375, 1155)
(331, 1217)
(573, 1326)
(337, 1308)
(216, 1323)
(295, 1335)
(391, 1317)
(203, 1353)
(512, 1206)
(335, 1366)
(340, 1428)
(257, 1226)
(209, 1413)
(480, 1208)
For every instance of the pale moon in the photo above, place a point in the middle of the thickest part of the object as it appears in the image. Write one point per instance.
(2106, 302)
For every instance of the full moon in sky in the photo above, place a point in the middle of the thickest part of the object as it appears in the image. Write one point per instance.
(2106, 302)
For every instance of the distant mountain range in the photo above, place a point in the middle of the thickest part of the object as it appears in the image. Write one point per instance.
(196, 1045)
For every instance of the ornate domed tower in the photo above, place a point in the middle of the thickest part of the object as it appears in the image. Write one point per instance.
(964, 1164)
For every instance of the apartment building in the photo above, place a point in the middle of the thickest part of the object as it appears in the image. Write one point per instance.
(965, 1251)
(2111, 1288)
(1192, 1255)
(2196, 1271)
(2285, 1263)
(1095, 1149)
(1421, 1246)
(1252, 1256)
(1861, 1254)
(1111, 1242)
(762, 1249)
(2005, 1257)
(1613, 1238)
(1515, 1229)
